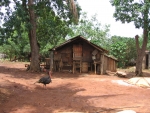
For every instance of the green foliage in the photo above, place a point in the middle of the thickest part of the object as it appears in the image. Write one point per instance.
(26, 49)
(124, 49)
(148, 44)
(2, 39)
(132, 11)
(52, 19)
(51, 29)
(10, 49)
(18, 44)
(92, 30)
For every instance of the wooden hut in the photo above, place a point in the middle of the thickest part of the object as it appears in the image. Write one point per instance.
(146, 60)
(80, 55)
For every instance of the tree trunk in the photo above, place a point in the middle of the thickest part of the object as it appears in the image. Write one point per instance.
(138, 71)
(51, 60)
(141, 52)
(35, 62)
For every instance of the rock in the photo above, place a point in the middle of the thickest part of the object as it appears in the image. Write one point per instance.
(121, 74)
(110, 73)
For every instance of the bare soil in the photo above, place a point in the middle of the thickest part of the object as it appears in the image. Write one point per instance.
(68, 92)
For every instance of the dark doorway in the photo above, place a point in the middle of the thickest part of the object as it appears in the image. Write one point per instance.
(147, 60)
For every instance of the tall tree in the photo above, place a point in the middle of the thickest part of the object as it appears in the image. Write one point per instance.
(29, 11)
(91, 29)
(137, 11)
(35, 62)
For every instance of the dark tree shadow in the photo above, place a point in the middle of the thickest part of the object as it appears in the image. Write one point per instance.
(63, 98)
(35, 99)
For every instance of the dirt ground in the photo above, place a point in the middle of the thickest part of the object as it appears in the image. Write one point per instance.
(67, 93)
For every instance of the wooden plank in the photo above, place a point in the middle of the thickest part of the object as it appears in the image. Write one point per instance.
(102, 64)
(51, 60)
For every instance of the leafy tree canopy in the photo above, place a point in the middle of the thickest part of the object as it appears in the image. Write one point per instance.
(92, 30)
(132, 11)
(52, 19)
(124, 49)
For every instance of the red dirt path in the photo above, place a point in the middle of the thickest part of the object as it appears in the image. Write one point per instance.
(67, 93)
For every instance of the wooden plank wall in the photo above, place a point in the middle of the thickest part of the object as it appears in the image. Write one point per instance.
(109, 64)
(105, 66)
(87, 52)
(66, 55)
(63, 56)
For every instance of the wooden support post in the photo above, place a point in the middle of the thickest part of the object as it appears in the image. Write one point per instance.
(73, 67)
(80, 66)
(95, 67)
(102, 64)
(51, 60)
(77, 62)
